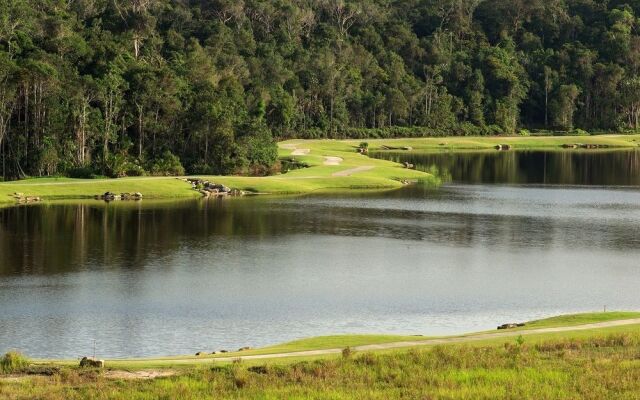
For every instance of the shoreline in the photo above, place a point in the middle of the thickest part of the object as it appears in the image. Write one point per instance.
(333, 166)
(333, 345)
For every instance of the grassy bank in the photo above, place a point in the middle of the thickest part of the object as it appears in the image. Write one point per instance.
(592, 364)
(332, 166)
(516, 142)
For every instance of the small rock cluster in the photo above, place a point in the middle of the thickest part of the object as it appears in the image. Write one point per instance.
(109, 196)
(210, 189)
(584, 146)
(503, 147)
(510, 326)
(21, 198)
(408, 165)
(202, 353)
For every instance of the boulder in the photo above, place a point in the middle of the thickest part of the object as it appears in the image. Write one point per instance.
(510, 326)
(88, 362)
(198, 354)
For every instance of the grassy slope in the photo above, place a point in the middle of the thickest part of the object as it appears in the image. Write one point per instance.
(384, 175)
(597, 364)
(342, 341)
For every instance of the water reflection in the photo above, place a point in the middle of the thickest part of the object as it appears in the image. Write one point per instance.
(152, 279)
(619, 167)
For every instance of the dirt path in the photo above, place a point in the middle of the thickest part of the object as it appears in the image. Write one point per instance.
(135, 375)
(431, 342)
(349, 172)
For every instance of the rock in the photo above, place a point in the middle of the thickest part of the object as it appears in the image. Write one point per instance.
(244, 348)
(408, 148)
(213, 353)
(87, 362)
(16, 194)
(570, 146)
(503, 147)
(108, 196)
(510, 326)
(137, 196)
(408, 165)
(237, 193)
(199, 354)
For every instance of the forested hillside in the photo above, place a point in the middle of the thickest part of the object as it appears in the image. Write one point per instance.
(129, 87)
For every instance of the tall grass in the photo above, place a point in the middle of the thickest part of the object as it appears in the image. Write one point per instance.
(13, 362)
(598, 367)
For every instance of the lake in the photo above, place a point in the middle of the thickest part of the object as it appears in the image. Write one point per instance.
(159, 278)
(558, 167)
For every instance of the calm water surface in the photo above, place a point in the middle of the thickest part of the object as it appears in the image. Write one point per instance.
(175, 278)
(573, 167)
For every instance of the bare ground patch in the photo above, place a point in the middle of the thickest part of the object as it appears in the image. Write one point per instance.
(349, 172)
(134, 375)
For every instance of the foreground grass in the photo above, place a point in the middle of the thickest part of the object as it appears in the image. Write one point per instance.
(597, 366)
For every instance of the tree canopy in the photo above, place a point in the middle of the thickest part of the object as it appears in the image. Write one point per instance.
(127, 87)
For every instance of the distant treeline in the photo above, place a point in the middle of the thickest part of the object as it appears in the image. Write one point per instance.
(129, 87)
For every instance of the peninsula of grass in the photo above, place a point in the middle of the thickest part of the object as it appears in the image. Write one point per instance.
(600, 363)
(458, 144)
(332, 165)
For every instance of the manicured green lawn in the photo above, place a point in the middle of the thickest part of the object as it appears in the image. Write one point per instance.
(352, 171)
(517, 142)
(581, 319)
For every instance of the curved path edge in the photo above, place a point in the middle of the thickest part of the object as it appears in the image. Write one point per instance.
(432, 342)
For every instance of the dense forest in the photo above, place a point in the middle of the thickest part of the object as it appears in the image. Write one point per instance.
(131, 87)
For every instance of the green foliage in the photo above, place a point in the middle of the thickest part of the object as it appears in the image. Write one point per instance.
(112, 85)
(167, 165)
(599, 366)
(13, 362)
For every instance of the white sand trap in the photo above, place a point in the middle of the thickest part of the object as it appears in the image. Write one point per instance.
(328, 160)
(349, 172)
(288, 146)
(300, 152)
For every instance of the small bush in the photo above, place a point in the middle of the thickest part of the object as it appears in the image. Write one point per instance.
(347, 352)
(167, 165)
(13, 362)
(81, 173)
(524, 132)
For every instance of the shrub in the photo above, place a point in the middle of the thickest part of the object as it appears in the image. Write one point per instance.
(81, 173)
(524, 132)
(13, 362)
(347, 352)
(167, 165)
